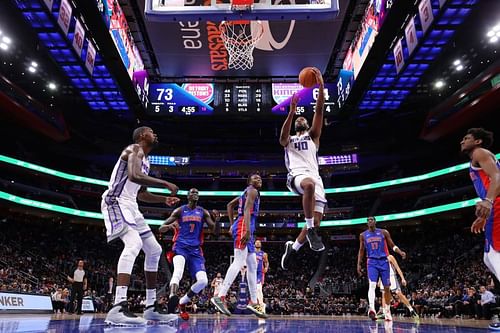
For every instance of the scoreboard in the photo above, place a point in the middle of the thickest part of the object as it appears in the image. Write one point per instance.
(199, 99)
(242, 98)
(188, 99)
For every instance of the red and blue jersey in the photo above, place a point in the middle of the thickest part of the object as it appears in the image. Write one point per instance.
(190, 231)
(239, 227)
(377, 263)
(260, 266)
(254, 211)
(481, 183)
(375, 244)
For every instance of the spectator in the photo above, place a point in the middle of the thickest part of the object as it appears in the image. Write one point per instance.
(486, 303)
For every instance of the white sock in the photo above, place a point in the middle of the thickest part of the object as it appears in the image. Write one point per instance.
(150, 296)
(296, 245)
(121, 294)
(184, 299)
(371, 295)
(310, 222)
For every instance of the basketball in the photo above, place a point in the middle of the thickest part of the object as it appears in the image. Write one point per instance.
(307, 78)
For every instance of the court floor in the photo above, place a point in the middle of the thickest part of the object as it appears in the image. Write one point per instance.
(236, 324)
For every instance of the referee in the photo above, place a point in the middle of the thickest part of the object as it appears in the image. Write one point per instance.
(79, 282)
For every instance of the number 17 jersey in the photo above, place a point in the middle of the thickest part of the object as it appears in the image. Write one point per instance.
(301, 155)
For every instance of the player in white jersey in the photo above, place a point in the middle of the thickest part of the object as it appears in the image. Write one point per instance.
(301, 160)
(395, 286)
(216, 283)
(124, 220)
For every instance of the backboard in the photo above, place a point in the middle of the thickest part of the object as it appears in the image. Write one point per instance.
(224, 10)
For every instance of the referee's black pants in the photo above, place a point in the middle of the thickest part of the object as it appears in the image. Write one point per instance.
(77, 293)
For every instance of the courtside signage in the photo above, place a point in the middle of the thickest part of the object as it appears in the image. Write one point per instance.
(24, 302)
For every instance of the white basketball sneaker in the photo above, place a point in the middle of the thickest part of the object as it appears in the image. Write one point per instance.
(120, 315)
(156, 313)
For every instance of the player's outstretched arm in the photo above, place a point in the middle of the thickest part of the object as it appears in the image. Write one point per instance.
(487, 162)
(176, 214)
(149, 197)
(391, 244)
(134, 155)
(287, 125)
(317, 122)
(361, 253)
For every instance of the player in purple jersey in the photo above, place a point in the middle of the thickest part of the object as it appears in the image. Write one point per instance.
(188, 239)
(243, 228)
(375, 242)
(124, 220)
(484, 172)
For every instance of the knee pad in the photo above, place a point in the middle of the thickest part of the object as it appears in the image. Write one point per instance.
(179, 263)
(152, 251)
(201, 282)
(133, 244)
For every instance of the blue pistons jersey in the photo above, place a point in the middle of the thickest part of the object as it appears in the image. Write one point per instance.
(190, 232)
(377, 263)
(239, 227)
(188, 239)
(375, 244)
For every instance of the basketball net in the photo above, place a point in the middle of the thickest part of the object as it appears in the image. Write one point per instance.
(240, 41)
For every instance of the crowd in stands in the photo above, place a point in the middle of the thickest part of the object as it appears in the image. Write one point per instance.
(444, 270)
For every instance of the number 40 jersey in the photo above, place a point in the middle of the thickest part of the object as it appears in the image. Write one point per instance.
(301, 156)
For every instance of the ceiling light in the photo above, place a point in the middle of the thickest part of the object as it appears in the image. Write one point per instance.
(494, 39)
(52, 86)
(496, 27)
(32, 69)
(456, 62)
(439, 84)
(490, 33)
(4, 46)
(459, 67)
(34, 64)
(6, 40)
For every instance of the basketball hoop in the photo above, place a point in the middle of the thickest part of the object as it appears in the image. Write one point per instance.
(240, 38)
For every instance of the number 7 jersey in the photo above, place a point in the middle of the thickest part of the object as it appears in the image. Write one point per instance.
(301, 155)
(190, 232)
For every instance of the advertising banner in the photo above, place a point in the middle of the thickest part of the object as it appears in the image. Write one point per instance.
(24, 302)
